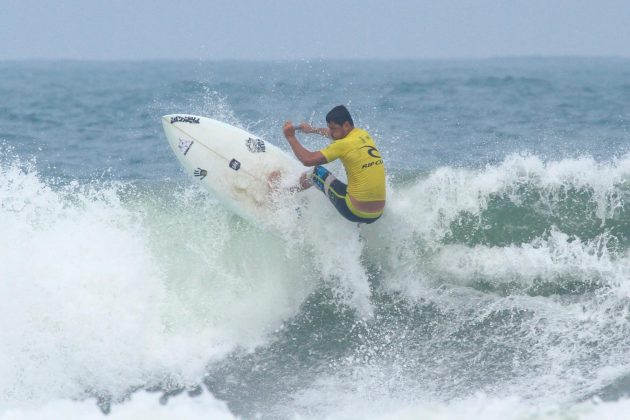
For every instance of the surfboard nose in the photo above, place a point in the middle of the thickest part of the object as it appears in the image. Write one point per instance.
(168, 127)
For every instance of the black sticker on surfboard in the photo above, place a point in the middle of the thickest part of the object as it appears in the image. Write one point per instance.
(235, 164)
(184, 145)
(200, 173)
(255, 145)
(185, 118)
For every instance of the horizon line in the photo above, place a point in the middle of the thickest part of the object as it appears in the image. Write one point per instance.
(319, 59)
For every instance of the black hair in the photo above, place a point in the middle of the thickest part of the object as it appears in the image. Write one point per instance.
(339, 115)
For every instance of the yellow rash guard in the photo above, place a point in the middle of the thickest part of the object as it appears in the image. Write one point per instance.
(363, 164)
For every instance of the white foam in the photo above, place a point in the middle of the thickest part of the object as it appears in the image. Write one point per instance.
(336, 402)
(431, 205)
(479, 407)
(553, 259)
(104, 297)
(410, 238)
(482, 407)
(140, 406)
(574, 342)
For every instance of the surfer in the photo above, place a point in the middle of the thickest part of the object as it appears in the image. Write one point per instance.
(363, 199)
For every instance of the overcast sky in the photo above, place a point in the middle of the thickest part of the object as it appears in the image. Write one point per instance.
(315, 29)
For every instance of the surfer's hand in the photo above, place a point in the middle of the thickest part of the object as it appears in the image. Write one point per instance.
(288, 129)
(306, 128)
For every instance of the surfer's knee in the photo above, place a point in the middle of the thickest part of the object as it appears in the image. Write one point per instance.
(320, 178)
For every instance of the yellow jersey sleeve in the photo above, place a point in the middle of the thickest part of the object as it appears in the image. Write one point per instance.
(334, 150)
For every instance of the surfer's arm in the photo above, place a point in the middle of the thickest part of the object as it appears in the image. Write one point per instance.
(309, 129)
(304, 155)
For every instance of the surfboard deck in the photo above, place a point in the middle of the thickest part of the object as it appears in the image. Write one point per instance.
(229, 162)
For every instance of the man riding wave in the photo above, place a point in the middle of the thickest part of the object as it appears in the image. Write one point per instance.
(362, 200)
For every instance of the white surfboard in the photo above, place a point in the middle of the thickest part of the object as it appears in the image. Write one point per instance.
(231, 163)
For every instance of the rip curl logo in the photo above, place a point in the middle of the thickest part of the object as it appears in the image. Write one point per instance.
(372, 151)
(184, 145)
(201, 173)
(185, 119)
(374, 163)
(235, 164)
(255, 145)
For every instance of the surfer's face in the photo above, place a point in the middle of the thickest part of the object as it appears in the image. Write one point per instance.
(339, 131)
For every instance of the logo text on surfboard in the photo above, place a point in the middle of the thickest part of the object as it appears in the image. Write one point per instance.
(235, 164)
(255, 145)
(184, 145)
(184, 118)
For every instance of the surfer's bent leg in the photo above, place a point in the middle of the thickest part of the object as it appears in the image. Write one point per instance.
(336, 191)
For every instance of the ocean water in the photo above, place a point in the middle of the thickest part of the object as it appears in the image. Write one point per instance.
(496, 285)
